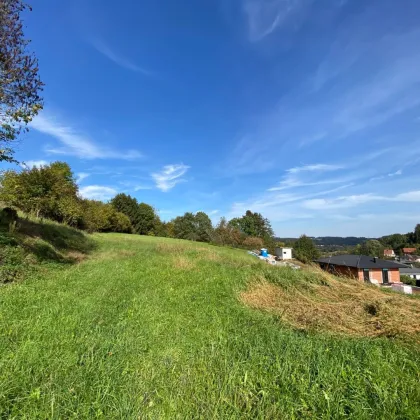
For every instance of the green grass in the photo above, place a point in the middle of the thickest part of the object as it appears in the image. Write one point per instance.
(153, 328)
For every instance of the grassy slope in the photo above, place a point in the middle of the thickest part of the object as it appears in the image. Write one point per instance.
(153, 328)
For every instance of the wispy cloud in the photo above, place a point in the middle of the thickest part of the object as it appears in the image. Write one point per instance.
(169, 176)
(81, 176)
(294, 178)
(265, 16)
(34, 163)
(355, 200)
(76, 143)
(337, 115)
(390, 175)
(118, 59)
(97, 192)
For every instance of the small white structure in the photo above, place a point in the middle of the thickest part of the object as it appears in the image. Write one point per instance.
(284, 253)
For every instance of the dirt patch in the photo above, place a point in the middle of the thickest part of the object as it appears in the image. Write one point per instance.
(338, 306)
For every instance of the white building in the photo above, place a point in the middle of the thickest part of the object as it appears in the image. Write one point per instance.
(284, 253)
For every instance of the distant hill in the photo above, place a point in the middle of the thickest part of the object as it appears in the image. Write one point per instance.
(332, 240)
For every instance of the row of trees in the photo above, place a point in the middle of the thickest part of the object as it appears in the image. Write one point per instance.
(397, 241)
(51, 192)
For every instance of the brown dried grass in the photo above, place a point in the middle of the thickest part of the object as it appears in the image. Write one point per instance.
(340, 306)
(183, 263)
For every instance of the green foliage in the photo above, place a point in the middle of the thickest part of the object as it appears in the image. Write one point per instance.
(372, 247)
(143, 217)
(203, 227)
(407, 280)
(252, 242)
(185, 227)
(305, 250)
(146, 219)
(51, 192)
(253, 224)
(12, 263)
(101, 217)
(226, 234)
(20, 85)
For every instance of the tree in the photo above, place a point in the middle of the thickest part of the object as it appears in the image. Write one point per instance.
(305, 250)
(48, 191)
(20, 84)
(145, 219)
(416, 234)
(372, 247)
(203, 227)
(227, 235)
(253, 224)
(184, 227)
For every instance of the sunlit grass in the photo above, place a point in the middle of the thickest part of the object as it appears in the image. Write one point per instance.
(131, 332)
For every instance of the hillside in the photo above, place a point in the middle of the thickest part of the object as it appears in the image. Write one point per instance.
(145, 327)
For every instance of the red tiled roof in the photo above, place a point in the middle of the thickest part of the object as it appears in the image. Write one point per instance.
(409, 250)
(388, 252)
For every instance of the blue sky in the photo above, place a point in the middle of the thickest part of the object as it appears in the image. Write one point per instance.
(307, 111)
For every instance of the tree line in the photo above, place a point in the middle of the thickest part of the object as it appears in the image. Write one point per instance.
(396, 242)
(51, 192)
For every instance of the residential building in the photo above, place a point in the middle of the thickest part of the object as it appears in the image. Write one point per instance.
(389, 253)
(363, 268)
(409, 250)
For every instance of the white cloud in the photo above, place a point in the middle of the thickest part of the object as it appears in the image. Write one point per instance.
(76, 143)
(411, 196)
(81, 176)
(118, 59)
(355, 200)
(340, 202)
(390, 175)
(300, 176)
(142, 187)
(169, 176)
(318, 167)
(97, 192)
(265, 16)
(34, 163)
(213, 212)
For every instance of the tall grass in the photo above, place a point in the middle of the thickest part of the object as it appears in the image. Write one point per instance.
(129, 334)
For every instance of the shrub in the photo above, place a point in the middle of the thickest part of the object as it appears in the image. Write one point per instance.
(408, 280)
(252, 242)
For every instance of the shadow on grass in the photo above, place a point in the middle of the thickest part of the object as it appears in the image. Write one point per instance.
(49, 241)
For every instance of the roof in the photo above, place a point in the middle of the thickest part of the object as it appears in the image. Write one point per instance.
(407, 250)
(388, 251)
(359, 261)
(409, 270)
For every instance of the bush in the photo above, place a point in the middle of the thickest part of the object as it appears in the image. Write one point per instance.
(7, 216)
(252, 242)
(408, 280)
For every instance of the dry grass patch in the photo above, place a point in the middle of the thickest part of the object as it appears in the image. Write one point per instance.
(338, 306)
(183, 263)
(170, 248)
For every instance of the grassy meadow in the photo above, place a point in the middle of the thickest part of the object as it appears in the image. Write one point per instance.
(144, 327)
